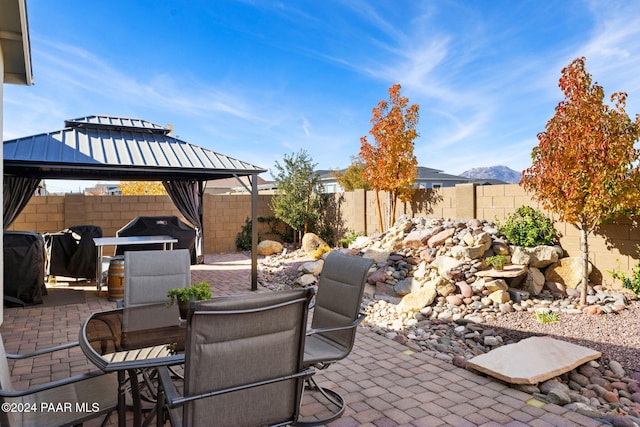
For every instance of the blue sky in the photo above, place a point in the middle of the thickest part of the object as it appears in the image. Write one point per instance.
(256, 80)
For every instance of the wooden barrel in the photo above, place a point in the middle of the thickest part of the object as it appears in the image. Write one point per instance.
(115, 280)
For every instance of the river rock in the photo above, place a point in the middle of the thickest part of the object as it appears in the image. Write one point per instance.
(500, 296)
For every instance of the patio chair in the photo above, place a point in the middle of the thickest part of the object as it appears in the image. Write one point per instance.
(148, 275)
(336, 315)
(63, 402)
(243, 361)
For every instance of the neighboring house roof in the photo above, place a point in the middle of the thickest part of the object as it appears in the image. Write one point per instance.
(116, 148)
(14, 40)
(489, 181)
(424, 174)
(431, 174)
(232, 184)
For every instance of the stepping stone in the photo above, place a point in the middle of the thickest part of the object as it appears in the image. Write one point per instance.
(532, 360)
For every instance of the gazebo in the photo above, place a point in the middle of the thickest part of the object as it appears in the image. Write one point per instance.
(120, 148)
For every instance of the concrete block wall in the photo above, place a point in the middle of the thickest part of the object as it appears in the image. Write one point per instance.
(612, 247)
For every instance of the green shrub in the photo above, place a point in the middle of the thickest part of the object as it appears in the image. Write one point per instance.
(496, 261)
(349, 238)
(546, 316)
(632, 283)
(528, 227)
(243, 239)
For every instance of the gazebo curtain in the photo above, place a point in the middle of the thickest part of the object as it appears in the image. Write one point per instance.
(187, 198)
(17, 193)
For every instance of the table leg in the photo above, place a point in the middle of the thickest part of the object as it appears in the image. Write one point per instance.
(99, 269)
(122, 402)
(135, 395)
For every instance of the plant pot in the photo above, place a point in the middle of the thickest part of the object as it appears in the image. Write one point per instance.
(183, 307)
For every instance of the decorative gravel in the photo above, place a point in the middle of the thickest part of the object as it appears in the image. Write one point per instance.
(616, 336)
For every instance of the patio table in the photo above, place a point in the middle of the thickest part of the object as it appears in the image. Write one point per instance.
(126, 340)
(100, 242)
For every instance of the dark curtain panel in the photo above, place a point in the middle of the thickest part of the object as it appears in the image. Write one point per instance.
(187, 199)
(17, 193)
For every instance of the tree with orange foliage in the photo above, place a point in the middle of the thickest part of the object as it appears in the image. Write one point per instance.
(390, 164)
(142, 188)
(585, 168)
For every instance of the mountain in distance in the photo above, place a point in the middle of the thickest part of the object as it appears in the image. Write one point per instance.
(503, 173)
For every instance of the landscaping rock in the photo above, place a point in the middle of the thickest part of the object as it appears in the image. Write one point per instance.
(312, 242)
(269, 247)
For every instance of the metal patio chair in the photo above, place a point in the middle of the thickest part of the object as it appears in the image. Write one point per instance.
(336, 315)
(243, 361)
(63, 402)
(148, 275)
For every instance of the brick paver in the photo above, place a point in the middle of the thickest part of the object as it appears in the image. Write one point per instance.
(382, 384)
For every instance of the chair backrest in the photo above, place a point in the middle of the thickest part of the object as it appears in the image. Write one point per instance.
(148, 275)
(340, 289)
(239, 340)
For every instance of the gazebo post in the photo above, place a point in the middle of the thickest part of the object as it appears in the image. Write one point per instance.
(254, 232)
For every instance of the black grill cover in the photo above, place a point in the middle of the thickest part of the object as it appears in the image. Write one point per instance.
(159, 226)
(23, 268)
(71, 252)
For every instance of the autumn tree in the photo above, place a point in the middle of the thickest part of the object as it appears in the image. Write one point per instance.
(390, 164)
(142, 188)
(585, 167)
(298, 199)
(352, 178)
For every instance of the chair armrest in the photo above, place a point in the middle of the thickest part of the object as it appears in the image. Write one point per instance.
(53, 384)
(43, 351)
(168, 387)
(352, 325)
(174, 400)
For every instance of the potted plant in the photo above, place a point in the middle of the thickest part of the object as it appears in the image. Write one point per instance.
(496, 261)
(183, 296)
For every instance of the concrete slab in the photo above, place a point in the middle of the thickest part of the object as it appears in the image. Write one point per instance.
(532, 360)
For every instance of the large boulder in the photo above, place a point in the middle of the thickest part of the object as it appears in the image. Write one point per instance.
(312, 267)
(439, 238)
(471, 252)
(567, 271)
(312, 242)
(416, 301)
(269, 247)
(539, 256)
(534, 283)
(418, 238)
(445, 264)
(377, 255)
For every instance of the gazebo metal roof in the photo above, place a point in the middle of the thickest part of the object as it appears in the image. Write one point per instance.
(117, 148)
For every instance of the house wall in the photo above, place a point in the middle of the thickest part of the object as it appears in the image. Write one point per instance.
(1, 174)
(613, 247)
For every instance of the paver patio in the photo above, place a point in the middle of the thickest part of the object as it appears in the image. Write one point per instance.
(383, 382)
